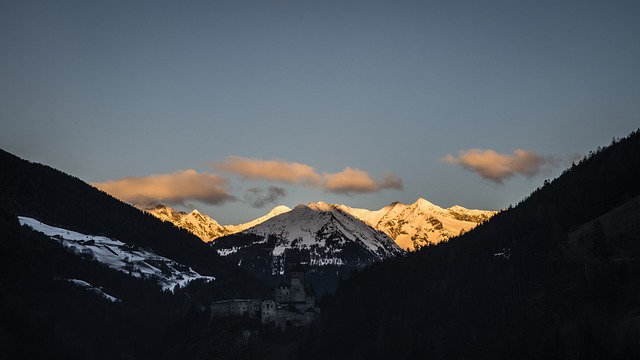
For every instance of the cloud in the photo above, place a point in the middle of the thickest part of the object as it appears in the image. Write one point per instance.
(175, 188)
(391, 181)
(497, 167)
(257, 198)
(348, 181)
(357, 181)
(274, 170)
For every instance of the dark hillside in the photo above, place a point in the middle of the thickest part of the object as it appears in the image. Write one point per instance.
(56, 198)
(526, 284)
(44, 315)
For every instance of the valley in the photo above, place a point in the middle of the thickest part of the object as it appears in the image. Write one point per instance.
(553, 276)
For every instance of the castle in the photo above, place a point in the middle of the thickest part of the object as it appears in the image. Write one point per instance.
(291, 304)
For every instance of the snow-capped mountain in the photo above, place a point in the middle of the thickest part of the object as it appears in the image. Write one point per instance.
(325, 229)
(319, 235)
(120, 256)
(326, 237)
(202, 225)
(281, 209)
(415, 225)
(411, 226)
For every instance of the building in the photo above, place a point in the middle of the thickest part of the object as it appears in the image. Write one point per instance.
(236, 308)
(291, 305)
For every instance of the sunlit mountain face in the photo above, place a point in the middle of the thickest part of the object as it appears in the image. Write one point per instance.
(202, 225)
(332, 240)
(411, 226)
(415, 225)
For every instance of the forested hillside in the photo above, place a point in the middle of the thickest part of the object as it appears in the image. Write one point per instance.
(45, 314)
(56, 198)
(522, 285)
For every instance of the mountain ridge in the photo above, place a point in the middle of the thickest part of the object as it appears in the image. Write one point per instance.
(552, 277)
(204, 226)
(411, 226)
(328, 241)
(144, 321)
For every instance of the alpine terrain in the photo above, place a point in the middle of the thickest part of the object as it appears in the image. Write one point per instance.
(411, 226)
(416, 225)
(555, 276)
(202, 225)
(328, 240)
(123, 257)
(86, 276)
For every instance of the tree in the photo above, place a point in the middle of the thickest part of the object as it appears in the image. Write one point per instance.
(599, 242)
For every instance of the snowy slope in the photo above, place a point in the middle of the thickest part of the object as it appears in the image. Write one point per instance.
(202, 225)
(93, 289)
(198, 224)
(415, 225)
(410, 226)
(305, 223)
(120, 256)
(281, 209)
(315, 234)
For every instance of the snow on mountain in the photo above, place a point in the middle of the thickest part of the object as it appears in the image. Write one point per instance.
(204, 226)
(314, 234)
(309, 223)
(410, 226)
(95, 290)
(201, 225)
(281, 209)
(415, 225)
(120, 256)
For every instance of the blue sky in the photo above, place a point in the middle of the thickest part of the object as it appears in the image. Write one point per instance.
(354, 102)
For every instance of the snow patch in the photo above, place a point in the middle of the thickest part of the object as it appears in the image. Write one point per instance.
(98, 291)
(127, 258)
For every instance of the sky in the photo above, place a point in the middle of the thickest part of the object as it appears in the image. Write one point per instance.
(234, 107)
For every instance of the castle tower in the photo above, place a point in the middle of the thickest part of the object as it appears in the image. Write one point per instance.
(297, 284)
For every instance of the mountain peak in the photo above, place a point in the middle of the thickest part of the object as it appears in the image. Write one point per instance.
(318, 234)
(202, 225)
(410, 226)
(320, 206)
(425, 204)
(279, 209)
(421, 223)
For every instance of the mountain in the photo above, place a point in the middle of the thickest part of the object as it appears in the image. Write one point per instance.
(555, 276)
(137, 262)
(202, 225)
(411, 226)
(70, 253)
(416, 225)
(329, 241)
(280, 209)
(53, 197)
